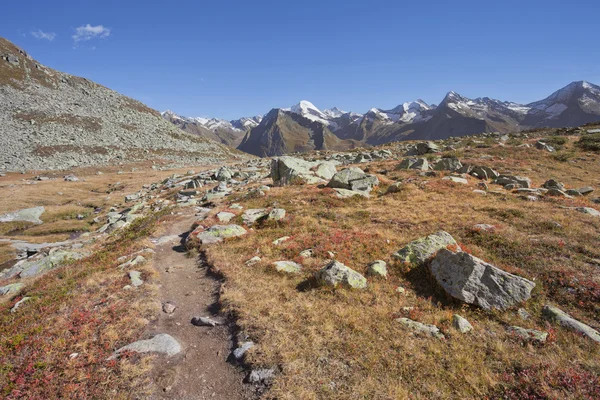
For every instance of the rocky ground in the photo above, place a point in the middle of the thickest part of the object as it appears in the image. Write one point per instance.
(464, 268)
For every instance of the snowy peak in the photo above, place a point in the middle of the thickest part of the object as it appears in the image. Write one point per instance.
(308, 110)
(333, 112)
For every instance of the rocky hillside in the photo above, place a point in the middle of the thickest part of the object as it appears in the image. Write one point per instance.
(283, 132)
(52, 120)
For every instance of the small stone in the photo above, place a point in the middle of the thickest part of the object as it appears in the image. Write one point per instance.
(523, 314)
(420, 328)
(261, 376)
(168, 308)
(461, 324)
(528, 334)
(205, 321)
(239, 353)
(400, 290)
(377, 268)
(19, 304)
(289, 267)
(253, 260)
(136, 279)
(277, 242)
(308, 253)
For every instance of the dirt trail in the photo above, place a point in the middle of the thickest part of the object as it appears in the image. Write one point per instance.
(201, 371)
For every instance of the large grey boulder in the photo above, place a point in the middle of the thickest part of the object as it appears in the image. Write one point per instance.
(161, 343)
(335, 274)
(565, 320)
(448, 164)
(223, 174)
(418, 251)
(325, 170)
(354, 179)
(472, 280)
(288, 170)
(420, 164)
(25, 215)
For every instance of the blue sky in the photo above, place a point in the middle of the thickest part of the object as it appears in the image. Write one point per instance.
(230, 59)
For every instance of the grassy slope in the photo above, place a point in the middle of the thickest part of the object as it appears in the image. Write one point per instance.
(346, 344)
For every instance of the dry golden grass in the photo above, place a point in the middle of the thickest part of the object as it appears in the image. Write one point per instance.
(346, 344)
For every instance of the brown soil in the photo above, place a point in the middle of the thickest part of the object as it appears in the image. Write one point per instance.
(201, 370)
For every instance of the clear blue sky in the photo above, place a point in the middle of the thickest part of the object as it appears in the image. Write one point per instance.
(230, 59)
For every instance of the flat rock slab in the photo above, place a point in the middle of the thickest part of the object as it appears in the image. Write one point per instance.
(417, 251)
(289, 267)
(418, 327)
(165, 239)
(217, 233)
(161, 343)
(25, 215)
(565, 320)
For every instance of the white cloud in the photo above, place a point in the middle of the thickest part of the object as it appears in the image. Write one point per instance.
(39, 34)
(87, 32)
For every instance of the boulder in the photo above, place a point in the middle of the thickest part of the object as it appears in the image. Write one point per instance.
(565, 320)
(553, 184)
(448, 164)
(335, 274)
(417, 251)
(420, 164)
(353, 179)
(473, 281)
(288, 170)
(325, 170)
(223, 174)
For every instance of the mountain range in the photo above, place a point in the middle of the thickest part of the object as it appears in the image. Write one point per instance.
(304, 127)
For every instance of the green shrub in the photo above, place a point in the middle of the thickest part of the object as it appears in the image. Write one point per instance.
(589, 142)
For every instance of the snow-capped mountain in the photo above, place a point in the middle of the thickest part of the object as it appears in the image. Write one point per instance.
(456, 115)
(575, 104)
(230, 133)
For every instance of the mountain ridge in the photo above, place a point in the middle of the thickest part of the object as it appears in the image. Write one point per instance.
(575, 104)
